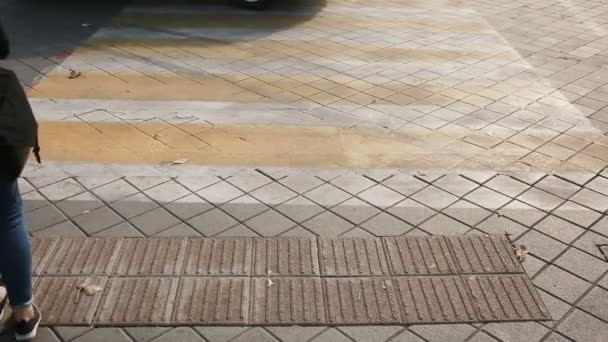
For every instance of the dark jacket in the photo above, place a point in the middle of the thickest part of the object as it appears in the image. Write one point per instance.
(18, 126)
(4, 46)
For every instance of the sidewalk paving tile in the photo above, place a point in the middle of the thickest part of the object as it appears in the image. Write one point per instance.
(151, 257)
(435, 299)
(285, 257)
(596, 302)
(561, 284)
(179, 334)
(81, 256)
(69, 305)
(352, 256)
(359, 300)
(582, 327)
(218, 257)
(477, 254)
(496, 299)
(212, 301)
(137, 301)
(424, 255)
(279, 301)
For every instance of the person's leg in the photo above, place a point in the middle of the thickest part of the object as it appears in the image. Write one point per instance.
(15, 251)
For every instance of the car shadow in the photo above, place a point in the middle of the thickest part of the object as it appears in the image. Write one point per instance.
(43, 32)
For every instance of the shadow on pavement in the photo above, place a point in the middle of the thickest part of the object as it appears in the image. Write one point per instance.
(43, 32)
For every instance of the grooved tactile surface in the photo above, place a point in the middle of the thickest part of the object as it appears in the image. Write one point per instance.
(480, 254)
(81, 256)
(288, 301)
(212, 301)
(62, 303)
(138, 301)
(353, 257)
(286, 257)
(151, 257)
(424, 255)
(283, 281)
(218, 256)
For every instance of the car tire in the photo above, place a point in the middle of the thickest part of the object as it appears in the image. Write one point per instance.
(253, 4)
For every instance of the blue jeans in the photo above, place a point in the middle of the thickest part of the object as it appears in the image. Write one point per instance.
(15, 249)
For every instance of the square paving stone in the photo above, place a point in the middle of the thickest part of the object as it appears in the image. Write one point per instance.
(502, 225)
(522, 213)
(467, 212)
(599, 184)
(244, 207)
(115, 191)
(596, 302)
(56, 297)
(79, 204)
(541, 245)
(582, 264)
(540, 199)
(444, 332)
(62, 190)
(167, 192)
(154, 221)
(103, 334)
(188, 207)
(411, 211)
(43, 217)
(557, 186)
(137, 301)
(301, 182)
(209, 301)
(386, 225)
(220, 193)
(507, 185)
(443, 225)
(218, 257)
(352, 256)
(273, 194)
(62, 229)
(487, 198)
(577, 213)
(146, 182)
(181, 334)
(404, 184)
(153, 256)
(561, 284)
(381, 196)
(285, 257)
(582, 327)
(589, 243)
(97, 220)
(33, 200)
(361, 300)
(560, 229)
(280, 301)
(591, 199)
(434, 198)
(352, 183)
(328, 224)
(133, 205)
(270, 223)
(507, 331)
(327, 195)
(355, 210)
(455, 184)
(601, 226)
(249, 180)
(212, 222)
(372, 333)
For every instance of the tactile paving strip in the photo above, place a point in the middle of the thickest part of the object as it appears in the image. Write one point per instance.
(258, 281)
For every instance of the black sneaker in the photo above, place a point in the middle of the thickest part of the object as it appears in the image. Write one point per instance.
(27, 330)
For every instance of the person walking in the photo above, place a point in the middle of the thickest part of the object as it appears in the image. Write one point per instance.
(18, 134)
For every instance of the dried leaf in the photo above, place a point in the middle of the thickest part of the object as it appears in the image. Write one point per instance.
(74, 74)
(88, 288)
(270, 283)
(179, 161)
(520, 252)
